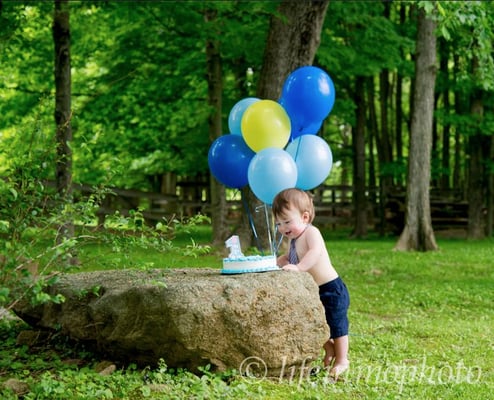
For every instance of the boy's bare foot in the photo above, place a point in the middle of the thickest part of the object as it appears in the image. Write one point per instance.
(338, 370)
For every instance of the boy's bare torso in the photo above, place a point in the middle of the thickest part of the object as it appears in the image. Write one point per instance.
(311, 250)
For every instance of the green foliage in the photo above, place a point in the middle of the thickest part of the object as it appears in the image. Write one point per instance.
(151, 93)
(32, 254)
(139, 87)
(28, 210)
(33, 263)
(138, 81)
(123, 235)
(25, 62)
(469, 25)
(358, 31)
(396, 169)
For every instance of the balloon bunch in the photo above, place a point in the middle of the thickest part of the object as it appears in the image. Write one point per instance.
(272, 145)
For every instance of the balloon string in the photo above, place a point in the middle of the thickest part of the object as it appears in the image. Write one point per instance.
(277, 244)
(268, 225)
(298, 147)
(251, 223)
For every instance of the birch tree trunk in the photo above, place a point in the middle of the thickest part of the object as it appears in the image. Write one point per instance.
(418, 233)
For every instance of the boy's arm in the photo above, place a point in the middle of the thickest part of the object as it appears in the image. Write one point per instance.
(315, 244)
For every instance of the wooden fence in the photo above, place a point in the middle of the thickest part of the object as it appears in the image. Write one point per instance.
(333, 206)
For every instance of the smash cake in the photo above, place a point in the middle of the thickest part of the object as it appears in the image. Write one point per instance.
(237, 263)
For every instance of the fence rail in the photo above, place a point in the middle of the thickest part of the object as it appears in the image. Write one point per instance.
(333, 204)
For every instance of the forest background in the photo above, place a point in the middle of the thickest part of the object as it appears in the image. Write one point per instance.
(146, 100)
(149, 87)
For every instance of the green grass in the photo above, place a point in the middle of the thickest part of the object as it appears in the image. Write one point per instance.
(422, 326)
(183, 251)
(414, 312)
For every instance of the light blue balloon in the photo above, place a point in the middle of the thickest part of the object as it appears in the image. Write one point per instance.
(236, 113)
(270, 171)
(313, 158)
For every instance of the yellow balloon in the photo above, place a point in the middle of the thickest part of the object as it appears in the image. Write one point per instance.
(264, 124)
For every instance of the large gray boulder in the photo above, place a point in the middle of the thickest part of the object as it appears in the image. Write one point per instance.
(190, 317)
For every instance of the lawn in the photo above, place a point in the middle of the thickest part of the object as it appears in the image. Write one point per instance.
(421, 322)
(422, 326)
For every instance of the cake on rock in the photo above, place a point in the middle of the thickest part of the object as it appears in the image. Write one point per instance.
(237, 263)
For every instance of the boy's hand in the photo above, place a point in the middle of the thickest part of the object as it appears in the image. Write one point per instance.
(290, 267)
(282, 260)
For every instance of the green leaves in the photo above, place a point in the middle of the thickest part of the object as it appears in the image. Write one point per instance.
(469, 26)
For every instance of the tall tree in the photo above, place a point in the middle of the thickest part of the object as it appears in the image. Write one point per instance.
(418, 233)
(468, 26)
(446, 154)
(63, 111)
(215, 87)
(490, 188)
(476, 162)
(293, 39)
(399, 114)
(358, 139)
(349, 51)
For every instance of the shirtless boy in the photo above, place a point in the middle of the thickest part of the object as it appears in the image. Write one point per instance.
(293, 211)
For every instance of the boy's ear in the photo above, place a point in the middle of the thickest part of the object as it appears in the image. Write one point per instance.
(306, 216)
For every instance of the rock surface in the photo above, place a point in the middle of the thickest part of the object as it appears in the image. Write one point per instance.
(257, 323)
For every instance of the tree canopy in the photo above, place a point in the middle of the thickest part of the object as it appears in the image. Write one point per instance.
(140, 88)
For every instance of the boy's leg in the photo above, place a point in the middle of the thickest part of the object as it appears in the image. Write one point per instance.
(341, 362)
(328, 353)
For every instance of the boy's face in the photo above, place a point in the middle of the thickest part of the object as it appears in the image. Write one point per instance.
(291, 223)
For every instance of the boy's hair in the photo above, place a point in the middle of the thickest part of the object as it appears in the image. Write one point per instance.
(296, 198)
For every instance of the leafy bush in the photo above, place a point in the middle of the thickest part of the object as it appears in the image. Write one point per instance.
(33, 251)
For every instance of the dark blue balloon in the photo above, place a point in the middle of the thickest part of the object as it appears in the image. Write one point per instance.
(228, 159)
(308, 96)
(306, 130)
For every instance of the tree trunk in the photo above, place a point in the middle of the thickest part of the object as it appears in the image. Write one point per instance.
(418, 233)
(374, 142)
(490, 189)
(476, 206)
(358, 138)
(63, 112)
(386, 145)
(458, 182)
(399, 125)
(219, 208)
(445, 155)
(293, 39)
(399, 107)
